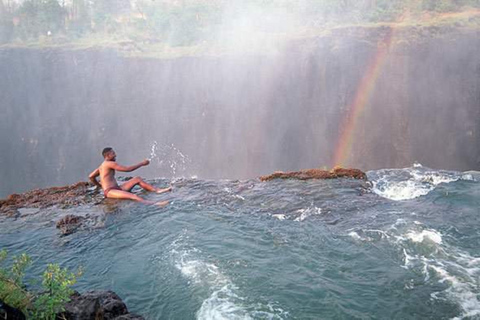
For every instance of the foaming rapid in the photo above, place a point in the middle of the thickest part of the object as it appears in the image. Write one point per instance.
(221, 297)
(410, 183)
(452, 273)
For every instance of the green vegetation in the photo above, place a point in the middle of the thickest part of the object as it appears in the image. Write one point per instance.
(12, 289)
(157, 25)
(55, 290)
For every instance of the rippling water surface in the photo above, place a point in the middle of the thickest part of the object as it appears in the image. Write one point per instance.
(404, 246)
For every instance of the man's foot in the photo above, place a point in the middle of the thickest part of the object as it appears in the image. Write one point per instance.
(161, 203)
(163, 190)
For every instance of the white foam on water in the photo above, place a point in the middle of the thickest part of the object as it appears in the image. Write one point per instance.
(220, 305)
(462, 288)
(403, 190)
(468, 177)
(303, 214)
(446, 264)
(408, 259)
(471, 175)
(424, 250)
(355, 236)
(224, 300)
(232, 194)
(434, 178)
(425, 235)
(462, 282)
(368, 235)
(299, 215)
(411, 183)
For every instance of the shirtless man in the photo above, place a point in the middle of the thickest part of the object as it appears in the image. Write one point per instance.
(108, 183)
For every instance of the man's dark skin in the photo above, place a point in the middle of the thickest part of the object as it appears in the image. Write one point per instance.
(109, 184)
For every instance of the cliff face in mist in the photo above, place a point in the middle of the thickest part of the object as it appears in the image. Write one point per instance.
(240, 116)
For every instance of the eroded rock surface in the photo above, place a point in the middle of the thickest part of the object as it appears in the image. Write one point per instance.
(65, 196)
(317, 174)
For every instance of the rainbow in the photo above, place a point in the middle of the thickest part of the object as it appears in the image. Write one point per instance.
(362, 96)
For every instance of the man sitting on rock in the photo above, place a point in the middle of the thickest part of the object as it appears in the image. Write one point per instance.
(108, 183)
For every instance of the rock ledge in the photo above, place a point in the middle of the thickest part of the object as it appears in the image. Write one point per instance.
(307, 174)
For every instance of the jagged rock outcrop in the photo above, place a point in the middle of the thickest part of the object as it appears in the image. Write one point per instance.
(317, 174)
(65, 196)
(91, 305)
(69, 224)
(97, 305)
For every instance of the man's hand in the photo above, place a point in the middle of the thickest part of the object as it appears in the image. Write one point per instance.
(93, 178)
(145, 162)
(94, 188)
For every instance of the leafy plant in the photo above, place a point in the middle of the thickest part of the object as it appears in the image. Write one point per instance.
(55, 290)
(56, 284)
(12, 288)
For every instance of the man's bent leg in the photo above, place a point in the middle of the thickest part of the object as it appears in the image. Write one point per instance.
(127, 186)
(121, 194)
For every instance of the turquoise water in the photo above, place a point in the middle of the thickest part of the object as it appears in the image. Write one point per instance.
(405, 246)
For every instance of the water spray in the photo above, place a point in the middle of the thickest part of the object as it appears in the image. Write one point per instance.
(153, 151)
(169, 156)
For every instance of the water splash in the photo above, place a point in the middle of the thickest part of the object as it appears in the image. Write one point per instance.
(410, 183)
(153, 151)
(169, 158)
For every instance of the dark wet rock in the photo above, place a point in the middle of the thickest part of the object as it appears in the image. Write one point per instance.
(95, 305)
(10, 313)
(335, 173)
(83, 307)
(72, 223)
(69, 224)
(67, 196)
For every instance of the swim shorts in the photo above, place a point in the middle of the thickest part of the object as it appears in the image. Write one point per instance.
(106, 191)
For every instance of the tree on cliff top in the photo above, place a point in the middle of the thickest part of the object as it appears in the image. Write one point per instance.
(40, 17)
(188, 22)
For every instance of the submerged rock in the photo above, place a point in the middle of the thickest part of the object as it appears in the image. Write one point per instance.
(97, 305)
(69, 224)
(65, 196)
(307, 174)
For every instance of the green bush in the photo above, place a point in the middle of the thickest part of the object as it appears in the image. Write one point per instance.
(12, 288)
(55, 290)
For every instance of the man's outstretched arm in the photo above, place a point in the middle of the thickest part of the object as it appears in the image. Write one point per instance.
(93, 177)
(116, 166)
